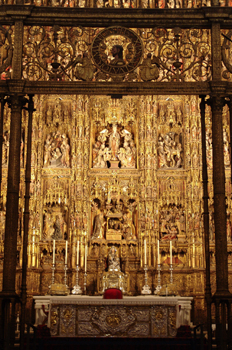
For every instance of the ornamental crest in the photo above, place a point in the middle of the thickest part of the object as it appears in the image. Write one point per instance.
(113, 319)
(117, 51)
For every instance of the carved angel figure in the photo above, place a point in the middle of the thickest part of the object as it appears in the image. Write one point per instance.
(149, 69)
(85, 69)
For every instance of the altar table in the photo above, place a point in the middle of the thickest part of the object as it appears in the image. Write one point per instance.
(89, 316)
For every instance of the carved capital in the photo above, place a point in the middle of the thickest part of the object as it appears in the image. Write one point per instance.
(16, 102)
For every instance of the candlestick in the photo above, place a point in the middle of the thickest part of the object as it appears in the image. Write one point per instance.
(65, 275)
(171, 269)
(54, 251)
(158, 248)
(146, 289)
(66, 252)
(145, 252)
(78, 247)
(85, 283)
(53, 273)
(77, 289)
(170, 252)
(86, 252)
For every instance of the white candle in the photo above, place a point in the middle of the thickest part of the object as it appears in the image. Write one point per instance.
(78, 243)
(66, 252)
(170, 252)
(86, 252)
(145, 252)
(54, 251)
(158, 252)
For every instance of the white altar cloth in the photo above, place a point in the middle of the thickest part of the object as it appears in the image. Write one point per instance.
(146, 309)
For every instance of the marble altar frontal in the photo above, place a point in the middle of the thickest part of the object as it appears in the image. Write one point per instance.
(141, 316)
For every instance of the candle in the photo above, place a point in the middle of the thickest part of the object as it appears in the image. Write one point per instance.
(170, 252)
(66, 252)
(78, 243)
(54, 248)
(86, 252)
(158, 252)
(145, 252)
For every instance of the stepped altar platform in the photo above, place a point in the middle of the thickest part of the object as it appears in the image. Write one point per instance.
(93, 316)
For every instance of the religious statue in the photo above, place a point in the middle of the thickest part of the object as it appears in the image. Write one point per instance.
(57, 150)
(5, 147)
(169, 151)
(65, 149)
(114, 277)
(48, 228)
(54, 227)
(114, 142)
(98, 226)
(113, 260)
(57, 234)
(128, 228)
(172, 224)
(103, 155)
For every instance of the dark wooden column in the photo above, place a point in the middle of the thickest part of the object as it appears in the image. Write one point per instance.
(3, 101)
(208, 295)
(8, 296)
(10, 244)
(222, 296)
(26, 221)
(219, 195)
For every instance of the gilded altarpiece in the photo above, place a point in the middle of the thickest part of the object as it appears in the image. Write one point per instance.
(111, 172)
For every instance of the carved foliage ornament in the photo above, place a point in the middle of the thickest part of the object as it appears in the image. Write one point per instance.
(6, 51)
(117, 51)
(226, 54)
(113, 319)
(51, 51)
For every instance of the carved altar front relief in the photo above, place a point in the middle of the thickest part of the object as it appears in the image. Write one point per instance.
(131, 316)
